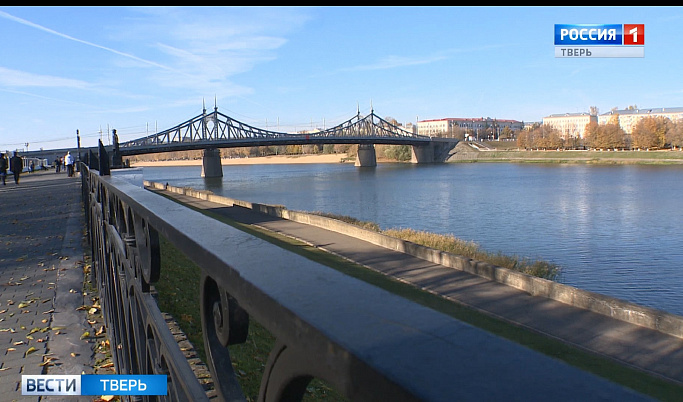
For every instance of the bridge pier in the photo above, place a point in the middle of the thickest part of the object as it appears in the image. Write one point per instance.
(211, 163)
(434, 152)
(366, 155)
(423, 153)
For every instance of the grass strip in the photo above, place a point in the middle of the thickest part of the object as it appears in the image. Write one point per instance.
(568, 156)
(453, 245)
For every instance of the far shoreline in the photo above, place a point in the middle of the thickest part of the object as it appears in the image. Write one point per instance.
(662, 157)
(594, 157)
(262, 160)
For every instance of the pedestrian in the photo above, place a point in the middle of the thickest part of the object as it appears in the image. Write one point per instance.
(3, 167)
(16, 165)
(69, 162)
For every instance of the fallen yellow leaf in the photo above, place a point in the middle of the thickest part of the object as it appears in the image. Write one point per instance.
(29, 351)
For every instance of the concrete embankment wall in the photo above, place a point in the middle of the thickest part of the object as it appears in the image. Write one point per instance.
(616, 308)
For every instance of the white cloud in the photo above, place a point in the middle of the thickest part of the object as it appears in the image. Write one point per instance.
(53, 32)
(396, 62)
(18, 79)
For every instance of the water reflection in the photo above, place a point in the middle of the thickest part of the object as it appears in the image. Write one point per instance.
(214, 184)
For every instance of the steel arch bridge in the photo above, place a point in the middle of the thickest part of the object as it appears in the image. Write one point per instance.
(216, 130)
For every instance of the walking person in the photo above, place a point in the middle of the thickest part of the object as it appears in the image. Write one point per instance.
(69, 162)
(16, 165)
(3, 167)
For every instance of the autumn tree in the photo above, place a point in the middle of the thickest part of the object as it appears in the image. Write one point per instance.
(674, 136)
(650, 132)
(590, 134)
(540, 137)
(612, 136)
(506, 133)
(548, 138)
(523, 140)
(604, 136)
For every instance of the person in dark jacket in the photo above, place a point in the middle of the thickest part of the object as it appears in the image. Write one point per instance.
(3, 168)
(16, 165)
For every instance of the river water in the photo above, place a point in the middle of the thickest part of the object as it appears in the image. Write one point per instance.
(615, 230)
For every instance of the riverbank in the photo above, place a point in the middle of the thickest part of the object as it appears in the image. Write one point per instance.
(273, 159)
(663, 157)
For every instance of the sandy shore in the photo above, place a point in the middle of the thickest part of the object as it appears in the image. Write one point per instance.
(278, 159)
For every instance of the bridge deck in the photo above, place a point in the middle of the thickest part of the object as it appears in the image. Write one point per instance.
(636, 346)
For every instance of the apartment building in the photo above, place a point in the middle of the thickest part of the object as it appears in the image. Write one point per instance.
(628, 118)
(483, 126)
(570, 125)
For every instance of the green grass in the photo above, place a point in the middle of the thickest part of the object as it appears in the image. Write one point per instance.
(178, 295)
(660, 157)
(178, 291)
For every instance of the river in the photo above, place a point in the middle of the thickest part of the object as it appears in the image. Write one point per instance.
(615, 230)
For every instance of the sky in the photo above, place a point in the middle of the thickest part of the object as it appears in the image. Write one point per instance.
(140, 70)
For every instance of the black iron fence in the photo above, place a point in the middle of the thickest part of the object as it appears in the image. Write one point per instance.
(367, 343)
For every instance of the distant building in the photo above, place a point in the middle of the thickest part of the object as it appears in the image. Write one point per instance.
(476, 126)
(570, 125)
(410, 127)
(530, 125)
(628, 118)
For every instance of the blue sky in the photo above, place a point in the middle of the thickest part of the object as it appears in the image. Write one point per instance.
(137, 70)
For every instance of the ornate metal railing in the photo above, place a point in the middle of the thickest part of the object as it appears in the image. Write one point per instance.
(367, 343)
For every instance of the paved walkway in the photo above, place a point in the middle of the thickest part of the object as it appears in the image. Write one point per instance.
(41, 280)
(633, 345)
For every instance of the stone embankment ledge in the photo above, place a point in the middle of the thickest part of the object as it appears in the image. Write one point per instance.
(655, 319)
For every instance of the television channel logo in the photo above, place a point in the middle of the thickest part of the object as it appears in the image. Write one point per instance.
(94, 384)
(599, 40)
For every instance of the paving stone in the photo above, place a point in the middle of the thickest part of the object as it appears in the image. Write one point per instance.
(40, 246)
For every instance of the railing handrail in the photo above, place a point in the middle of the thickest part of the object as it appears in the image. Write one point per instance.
(366, 342)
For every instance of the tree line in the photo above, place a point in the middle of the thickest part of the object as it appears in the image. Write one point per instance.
(654, 132)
